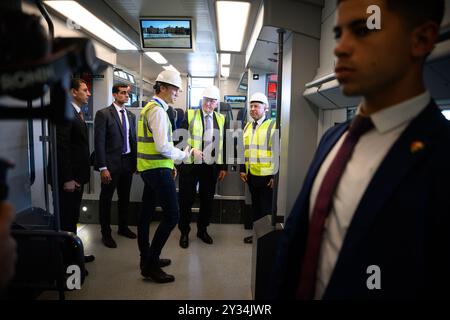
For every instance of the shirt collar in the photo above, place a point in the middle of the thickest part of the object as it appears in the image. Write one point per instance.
(77, 108)
(161, 102)
(261, 120)
(399, 114)
(118, 108)
(204, 114)
(207, 114)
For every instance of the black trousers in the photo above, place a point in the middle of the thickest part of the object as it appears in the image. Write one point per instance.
(121, 180)
(69, 208)
(206, 176)
(158, 186)
(261, 195)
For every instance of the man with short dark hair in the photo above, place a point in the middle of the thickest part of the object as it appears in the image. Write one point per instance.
(373, 218)
(115, 157)
(72, 146)
(155, 161)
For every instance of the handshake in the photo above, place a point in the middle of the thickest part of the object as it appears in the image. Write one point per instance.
(198, 155)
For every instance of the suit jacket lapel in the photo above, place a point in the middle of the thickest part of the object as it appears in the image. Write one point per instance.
(215, 122)
(79, 119)
(113, 111)
(132, 126)
(399, 161)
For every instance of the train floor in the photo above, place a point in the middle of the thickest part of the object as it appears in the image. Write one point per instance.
(219, 271)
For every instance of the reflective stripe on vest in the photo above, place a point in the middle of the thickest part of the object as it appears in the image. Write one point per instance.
(147, 155)
(196, 133)
(258, 148)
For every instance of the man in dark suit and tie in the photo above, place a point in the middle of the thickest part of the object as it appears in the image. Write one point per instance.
(72, 145)
(372, 220)
(115, 157)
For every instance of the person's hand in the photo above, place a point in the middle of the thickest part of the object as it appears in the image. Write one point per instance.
(8, 254)
(70, 186)
(174, 173)
(270, 184)
(222, 174)
(105, 176)
(243, 177)
(187, 151)
(198, 155)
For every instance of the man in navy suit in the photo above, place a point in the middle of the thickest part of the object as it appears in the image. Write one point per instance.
(115, 156)
(385, 209)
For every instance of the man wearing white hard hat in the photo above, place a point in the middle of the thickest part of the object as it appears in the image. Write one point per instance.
(206, 132)
(259, 168)
(155, 161)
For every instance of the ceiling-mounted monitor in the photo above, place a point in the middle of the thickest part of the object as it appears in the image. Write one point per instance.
(158, 33)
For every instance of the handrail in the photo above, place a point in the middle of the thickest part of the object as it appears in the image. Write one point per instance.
(321, 80)
(52, 130)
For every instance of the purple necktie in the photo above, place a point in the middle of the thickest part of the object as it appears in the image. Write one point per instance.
(124, 127)
(322, 206)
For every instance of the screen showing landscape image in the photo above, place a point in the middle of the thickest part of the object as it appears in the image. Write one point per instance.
(160, 33)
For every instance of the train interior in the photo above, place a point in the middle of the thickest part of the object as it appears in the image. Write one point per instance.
(285, 50)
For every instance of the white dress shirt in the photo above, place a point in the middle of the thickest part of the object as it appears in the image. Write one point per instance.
(77, 108)
(259, 122)
(157, 121)
(118, 108)
(367, 156)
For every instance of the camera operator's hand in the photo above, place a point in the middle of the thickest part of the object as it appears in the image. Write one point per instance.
(71, 186)
(174, 173)
(7, 244)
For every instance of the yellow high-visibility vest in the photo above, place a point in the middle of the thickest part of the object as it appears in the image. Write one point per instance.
(258, 148)
(196, 133)
(147, 155)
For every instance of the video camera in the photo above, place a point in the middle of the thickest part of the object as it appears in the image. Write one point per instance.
(31, 64)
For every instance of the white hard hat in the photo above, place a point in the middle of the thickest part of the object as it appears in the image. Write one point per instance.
(212, 92)
(170, 77)
(259, 97)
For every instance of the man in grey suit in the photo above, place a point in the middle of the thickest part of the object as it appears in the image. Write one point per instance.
(115, 158)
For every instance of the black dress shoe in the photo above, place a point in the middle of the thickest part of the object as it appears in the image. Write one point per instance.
(248, 239)
(89, 258)
(127, 233)
(156, 274)
(162, 263)
(184, 241)
(109, 242)
(205, 237)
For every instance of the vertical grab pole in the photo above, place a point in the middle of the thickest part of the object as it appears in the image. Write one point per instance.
(278, 121)
(52, 130)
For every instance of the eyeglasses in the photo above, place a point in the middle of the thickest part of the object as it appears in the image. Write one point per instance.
(211, 101)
